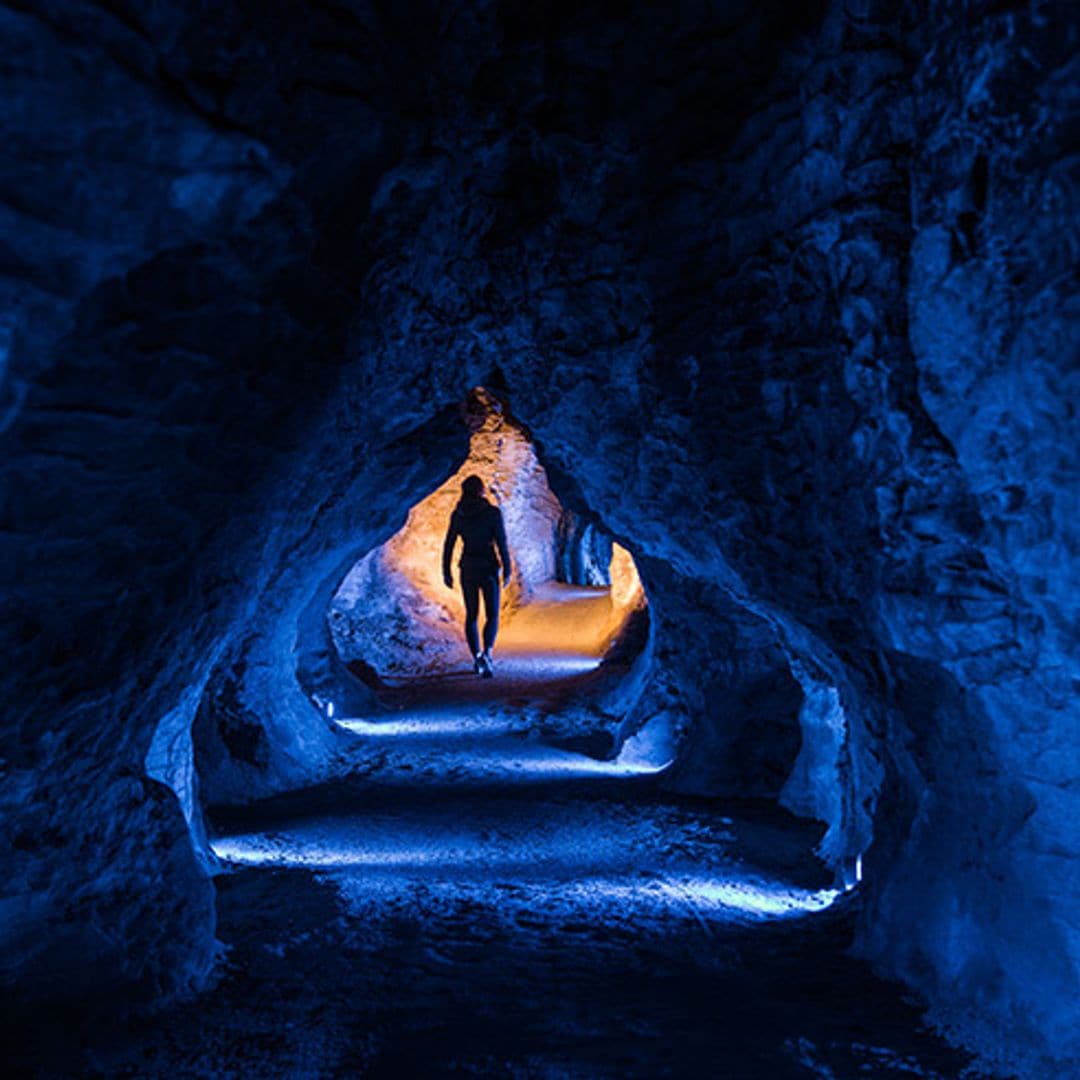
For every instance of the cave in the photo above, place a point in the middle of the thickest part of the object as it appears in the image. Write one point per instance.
(573, 595)
(760, 324)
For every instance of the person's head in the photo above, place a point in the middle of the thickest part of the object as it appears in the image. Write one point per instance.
(472, 488)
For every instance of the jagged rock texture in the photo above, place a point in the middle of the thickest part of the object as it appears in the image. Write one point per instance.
(789, 306)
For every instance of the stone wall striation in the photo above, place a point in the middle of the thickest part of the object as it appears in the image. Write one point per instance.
(788, 307)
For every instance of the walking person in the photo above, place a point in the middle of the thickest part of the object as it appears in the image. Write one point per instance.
(484, 553)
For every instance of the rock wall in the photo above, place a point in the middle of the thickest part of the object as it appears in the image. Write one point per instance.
(789, 307)
(392, 613)
(995, 339)
(741, 710)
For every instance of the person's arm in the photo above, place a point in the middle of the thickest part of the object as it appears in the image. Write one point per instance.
(448, 551)
(504, 551)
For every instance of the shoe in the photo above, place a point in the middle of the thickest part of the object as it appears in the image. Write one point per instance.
(486, 669)
(478, 664)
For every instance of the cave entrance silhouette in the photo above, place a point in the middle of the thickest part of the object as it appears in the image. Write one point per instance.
(575, 599)
(503, 863)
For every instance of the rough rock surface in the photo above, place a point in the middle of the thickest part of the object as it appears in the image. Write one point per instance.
(393, 613)
(393, 616)
(789, 306)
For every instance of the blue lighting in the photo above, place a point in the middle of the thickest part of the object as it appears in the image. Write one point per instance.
(428, 725)
(567, 869)
(747, 896)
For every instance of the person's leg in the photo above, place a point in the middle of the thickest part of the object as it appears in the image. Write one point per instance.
(491, 592)
(470, 589)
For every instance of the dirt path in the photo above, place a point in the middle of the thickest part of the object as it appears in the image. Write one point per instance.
(474, 901)
(512, 908)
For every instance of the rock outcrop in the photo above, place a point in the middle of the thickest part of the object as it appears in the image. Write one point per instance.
(789, 308)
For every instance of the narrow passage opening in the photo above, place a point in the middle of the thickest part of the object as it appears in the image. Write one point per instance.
(515, 844)
(529, 773)
(574, 600)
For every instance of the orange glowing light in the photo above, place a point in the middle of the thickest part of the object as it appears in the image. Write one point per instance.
(538, 613)
(626, 589)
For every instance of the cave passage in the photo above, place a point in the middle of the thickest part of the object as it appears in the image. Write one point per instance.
(575, 598)
(502, 869)
(477, 896)
(759, 321)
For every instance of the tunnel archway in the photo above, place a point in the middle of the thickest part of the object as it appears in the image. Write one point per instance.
(574, 600)
(359, 623)
(268, 718)
(817, 347)
(354, 623)
(396, 631)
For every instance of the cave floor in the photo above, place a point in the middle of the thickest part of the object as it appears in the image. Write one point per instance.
(549, 655)
(472, 900)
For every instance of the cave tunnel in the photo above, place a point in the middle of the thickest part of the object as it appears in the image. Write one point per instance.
(759, 325)
(570, 597)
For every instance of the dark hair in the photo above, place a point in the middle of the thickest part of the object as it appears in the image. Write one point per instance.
(472, 487)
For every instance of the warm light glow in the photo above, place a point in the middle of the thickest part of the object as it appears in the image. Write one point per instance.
(400, 590)
(513, 478)
(580, 629)
(626, 588)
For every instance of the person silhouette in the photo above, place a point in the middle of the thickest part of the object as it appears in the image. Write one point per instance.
(479, 523)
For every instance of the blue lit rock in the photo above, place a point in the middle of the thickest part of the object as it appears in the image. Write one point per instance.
(810, 353)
